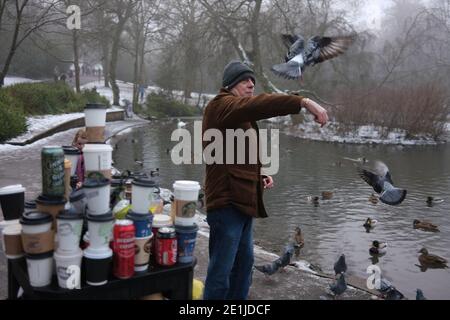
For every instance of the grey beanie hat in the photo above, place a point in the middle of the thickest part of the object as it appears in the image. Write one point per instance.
(235, 72)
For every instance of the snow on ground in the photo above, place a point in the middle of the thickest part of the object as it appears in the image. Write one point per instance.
(9, 81)
(126, 92)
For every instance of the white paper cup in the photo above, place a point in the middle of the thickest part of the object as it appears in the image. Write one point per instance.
(95, 115)
(35, 222)
(12, 241)
(64, 261)
(186, 190)
(144, 194)
(98, 196)
(100, 230)
(40, 269)
(97, 157)
(69, 226)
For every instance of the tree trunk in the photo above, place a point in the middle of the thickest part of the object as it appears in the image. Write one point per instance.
(136, 82)
(12, 49)
(76, 61)
(105, 61)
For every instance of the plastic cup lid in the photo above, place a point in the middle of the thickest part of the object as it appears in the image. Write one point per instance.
(53, 201)
(77, 195)
(97, 254)
(35, 218)
(139, 217)
(100, 218)
(186, 185)
(95, 106)
(17, 188)
(94, 183)
(69, 150)
(40, 256)
(192, 228)
(69, 215)
(147, 183)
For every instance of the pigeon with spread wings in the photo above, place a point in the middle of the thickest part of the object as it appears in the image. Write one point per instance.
(379, 178)
(316, 50)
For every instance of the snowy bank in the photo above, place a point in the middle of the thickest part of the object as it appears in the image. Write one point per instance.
(9, 81)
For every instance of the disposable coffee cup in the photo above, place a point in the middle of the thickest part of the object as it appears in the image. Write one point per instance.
(37, 236)
(145, 194)
(69, 226)
(97, 265)
(100, 229)
(51, 205)
(185, 201)
(66, 264)
(98, 158)
(186, 237)
(40, 269)
(98, 195)
(143, 247)
(12, 241)
(142, 223)
(12, 201)
(95, 120)
(78, 201)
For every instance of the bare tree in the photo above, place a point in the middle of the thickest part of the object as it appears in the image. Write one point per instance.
(27, 17)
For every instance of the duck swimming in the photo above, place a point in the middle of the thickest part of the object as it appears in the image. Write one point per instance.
(327, 195)
(370, 223)
(373, 198)
(431, 260)
(431, 201)
(426, 226)
(314, 200)
(378, 248)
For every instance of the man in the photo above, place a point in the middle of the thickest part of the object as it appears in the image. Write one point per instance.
(233, 192)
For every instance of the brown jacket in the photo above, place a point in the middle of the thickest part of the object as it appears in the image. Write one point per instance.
(240, 185)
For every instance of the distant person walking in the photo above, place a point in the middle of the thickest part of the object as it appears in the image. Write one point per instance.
(141, 93)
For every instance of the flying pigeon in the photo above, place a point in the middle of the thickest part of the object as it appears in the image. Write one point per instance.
(380, 179)
(318, 49)
(340, 266)
(340, 286)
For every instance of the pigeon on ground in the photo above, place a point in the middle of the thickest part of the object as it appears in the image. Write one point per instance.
(340, 286)
(316, 50)
(394, 294)
(270, 268)
(285, 259)
(379, 178)
(340, 266)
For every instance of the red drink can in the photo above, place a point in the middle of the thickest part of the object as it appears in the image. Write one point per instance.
(166, 247)
(123, 247)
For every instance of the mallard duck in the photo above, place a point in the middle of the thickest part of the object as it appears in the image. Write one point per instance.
(431, 260)
(370, 223)
(373, 198)
(378, 248)
(426, 226)
(431, 201)
(314, 200)
(299, 241)
(327, 195)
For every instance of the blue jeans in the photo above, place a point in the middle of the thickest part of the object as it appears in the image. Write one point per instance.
(230, 255)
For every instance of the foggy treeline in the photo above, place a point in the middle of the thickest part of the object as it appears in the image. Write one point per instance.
(401, 69)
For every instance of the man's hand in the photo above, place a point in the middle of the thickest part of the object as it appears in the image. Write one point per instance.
(320, 114)
(268, 182)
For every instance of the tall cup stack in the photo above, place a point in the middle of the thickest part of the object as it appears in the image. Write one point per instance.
(185, 204)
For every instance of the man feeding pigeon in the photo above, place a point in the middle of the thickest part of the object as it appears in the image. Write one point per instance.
(233, 192)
